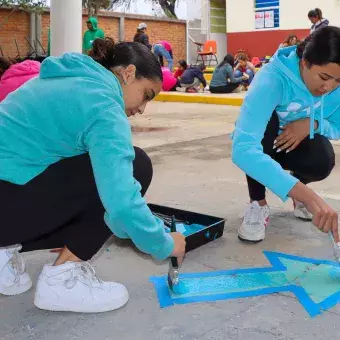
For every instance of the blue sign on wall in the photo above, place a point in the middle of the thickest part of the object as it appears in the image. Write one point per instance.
(267, 14)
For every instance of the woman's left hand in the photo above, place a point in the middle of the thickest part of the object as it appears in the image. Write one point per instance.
(293, 134)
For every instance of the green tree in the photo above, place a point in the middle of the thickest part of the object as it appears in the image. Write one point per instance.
(93, 6)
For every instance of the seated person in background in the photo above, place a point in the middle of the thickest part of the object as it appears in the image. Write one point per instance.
(239, 53)
(245, 68)
(192, 78)
(169, 81)
(15, 75)
(291, 40)
(223, 79)
(163, 49)
(182, 66)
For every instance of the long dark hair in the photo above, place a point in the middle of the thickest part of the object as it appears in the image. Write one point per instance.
(183, 63)
(315, 13)
(289, 38)
(111, 55)
(228, 59)
(321, 47)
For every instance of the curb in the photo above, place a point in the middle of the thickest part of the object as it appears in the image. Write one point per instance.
(198, 98)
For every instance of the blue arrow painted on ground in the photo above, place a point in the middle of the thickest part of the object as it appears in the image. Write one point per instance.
(309, 279)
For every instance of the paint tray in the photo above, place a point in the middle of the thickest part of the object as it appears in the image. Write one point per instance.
(203, 228)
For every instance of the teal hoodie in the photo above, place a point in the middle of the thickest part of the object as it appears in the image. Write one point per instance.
(91, 35)
(278, 86)
(76, 106)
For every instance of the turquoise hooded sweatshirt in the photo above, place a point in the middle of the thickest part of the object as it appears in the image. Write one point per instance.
(74, 107)
(278, 86)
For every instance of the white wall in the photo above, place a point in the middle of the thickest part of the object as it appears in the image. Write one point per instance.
(221, 40)
(293, 13)
(240, 15)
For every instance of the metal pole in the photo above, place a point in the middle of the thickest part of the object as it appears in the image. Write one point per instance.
(122, 28)
(66, 26)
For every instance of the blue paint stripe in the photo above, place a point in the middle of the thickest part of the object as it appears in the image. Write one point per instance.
(309, 305)
(331, 301)
(313, 309)
(165, 299)
(162, 291)
(273, 258)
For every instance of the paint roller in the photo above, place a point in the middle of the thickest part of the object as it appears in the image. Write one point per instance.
(335, 271)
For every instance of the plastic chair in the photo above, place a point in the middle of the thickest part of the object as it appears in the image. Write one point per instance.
(209, 51)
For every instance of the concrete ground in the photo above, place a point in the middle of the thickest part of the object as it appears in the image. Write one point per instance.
(190, 148)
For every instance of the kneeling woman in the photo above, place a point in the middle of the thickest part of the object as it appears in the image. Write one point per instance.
(223, 79)
(67, 159)
(287, 118)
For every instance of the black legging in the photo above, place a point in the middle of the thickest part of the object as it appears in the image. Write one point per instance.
(230, 87)
(61, 207)
(312, 161)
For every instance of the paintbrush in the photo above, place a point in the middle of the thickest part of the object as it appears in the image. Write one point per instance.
(335, 271)
(173, 279)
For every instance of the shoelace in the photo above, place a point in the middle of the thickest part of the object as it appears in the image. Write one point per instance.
(81, 270)
(254, 215)
(17, 264)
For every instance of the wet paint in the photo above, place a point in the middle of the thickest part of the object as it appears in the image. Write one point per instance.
(308, 279)
(189, 229)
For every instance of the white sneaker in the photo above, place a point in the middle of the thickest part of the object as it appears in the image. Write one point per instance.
(255, 221)
(13, 278)
(74, 287)
(301, 212)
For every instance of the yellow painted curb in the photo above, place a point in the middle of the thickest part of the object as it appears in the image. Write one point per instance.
(198, 98)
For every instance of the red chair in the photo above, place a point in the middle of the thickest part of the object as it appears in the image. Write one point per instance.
(209, 51)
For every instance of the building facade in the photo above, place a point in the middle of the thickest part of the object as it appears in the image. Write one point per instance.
(259, 26)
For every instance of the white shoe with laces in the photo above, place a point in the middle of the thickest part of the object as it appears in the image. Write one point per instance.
(13, 278)
(74, 287)
(255, 221)
(301, 212)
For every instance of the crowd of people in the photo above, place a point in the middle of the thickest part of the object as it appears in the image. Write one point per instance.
(70, 176)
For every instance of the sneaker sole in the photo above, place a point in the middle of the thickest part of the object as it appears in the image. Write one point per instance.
(249, 241)
(11, 291)
(108, 307)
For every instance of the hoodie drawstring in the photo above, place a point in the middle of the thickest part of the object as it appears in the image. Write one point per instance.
(321, 116)
(312, 118)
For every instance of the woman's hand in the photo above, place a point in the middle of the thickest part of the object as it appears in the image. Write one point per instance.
(293, 134)
(324, 216)
(179, 249)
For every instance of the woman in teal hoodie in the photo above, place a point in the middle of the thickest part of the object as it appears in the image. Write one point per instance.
(70, 177)
(289, 114)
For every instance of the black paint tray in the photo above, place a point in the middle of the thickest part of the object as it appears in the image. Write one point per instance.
(213, 230)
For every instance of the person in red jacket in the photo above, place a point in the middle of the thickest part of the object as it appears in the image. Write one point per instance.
(15, 75)
(182, 66)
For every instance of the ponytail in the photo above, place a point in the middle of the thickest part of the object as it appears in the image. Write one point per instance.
(111, 55)
(319, 13)
(315, 13)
